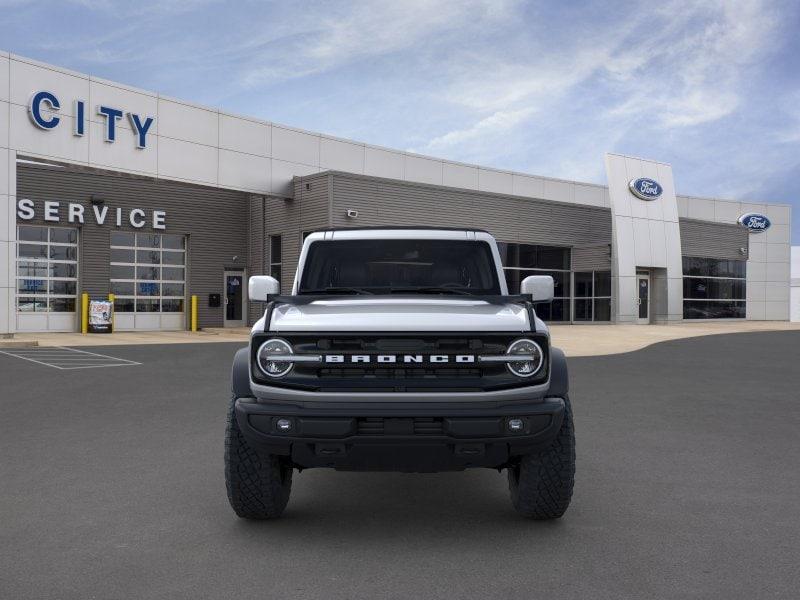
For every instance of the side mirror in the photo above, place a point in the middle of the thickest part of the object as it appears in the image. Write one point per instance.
(261, 287)
(540, 288)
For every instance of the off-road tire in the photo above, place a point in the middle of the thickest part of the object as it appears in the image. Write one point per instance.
(541, 483)
(258, 484)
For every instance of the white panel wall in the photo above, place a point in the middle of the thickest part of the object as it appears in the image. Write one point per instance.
(460, 176)
(495, 181)
(186, 122)
(8, 233)
(383, 163)
(591, 195)
(338, 155)
(247, 136)
(794, 300)
(293, 145)
(645, 234)
(527, 185)
(423, 170)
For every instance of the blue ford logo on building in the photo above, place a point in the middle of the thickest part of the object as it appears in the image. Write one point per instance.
(754, 222)
(646, 189)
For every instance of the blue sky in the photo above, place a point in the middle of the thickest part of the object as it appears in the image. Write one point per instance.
(712, 87)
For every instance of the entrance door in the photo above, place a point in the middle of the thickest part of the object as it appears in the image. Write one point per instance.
(643, 288)
(234, 299)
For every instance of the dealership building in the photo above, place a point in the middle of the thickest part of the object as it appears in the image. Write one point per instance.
(107, 189)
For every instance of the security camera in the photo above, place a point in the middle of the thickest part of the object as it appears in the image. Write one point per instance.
(352, 214)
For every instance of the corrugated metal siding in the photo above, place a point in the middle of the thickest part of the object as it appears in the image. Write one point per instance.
(307, 211)
(214, 219)
(255, 250)
(282, 217)
(508, 218)
(313, 194)
(321, 200)
(713, 240)
(591, 258)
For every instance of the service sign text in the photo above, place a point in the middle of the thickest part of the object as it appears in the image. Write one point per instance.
(72, 212)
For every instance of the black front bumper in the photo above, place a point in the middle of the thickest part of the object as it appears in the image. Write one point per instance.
(400, 437)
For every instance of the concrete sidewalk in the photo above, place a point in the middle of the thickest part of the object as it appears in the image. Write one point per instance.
(575, 340)
(597, 340)
(128, 338)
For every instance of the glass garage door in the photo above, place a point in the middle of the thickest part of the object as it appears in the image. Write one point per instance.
(148, 279)
(47, 278)
(714, 288)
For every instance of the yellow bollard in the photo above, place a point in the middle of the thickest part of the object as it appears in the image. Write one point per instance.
(111, 298)
(84, 312)
(194, 313)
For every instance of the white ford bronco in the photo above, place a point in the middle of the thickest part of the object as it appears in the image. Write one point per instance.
(400, 349)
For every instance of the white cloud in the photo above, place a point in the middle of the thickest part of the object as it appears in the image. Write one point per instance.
(492, 125)
(677, 65)
(690, 72)
(345, 33)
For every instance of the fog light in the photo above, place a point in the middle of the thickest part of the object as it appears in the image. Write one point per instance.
(284, 424)
(516, 424)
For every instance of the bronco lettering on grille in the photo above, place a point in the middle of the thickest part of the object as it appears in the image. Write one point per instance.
(395, 358)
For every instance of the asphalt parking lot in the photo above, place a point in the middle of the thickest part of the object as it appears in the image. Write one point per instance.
(111, 486)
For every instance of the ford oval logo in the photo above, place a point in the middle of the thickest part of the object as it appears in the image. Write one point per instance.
(754, 222)
(646, 189)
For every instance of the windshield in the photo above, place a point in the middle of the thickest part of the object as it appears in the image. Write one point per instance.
(398, 266)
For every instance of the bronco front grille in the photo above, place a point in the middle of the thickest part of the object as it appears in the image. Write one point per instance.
(410, 373)
(382, 362)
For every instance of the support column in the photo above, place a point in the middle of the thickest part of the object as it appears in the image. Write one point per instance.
(645, 235)
(8, 239)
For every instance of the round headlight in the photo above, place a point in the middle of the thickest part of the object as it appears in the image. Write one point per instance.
(265, 357)
(531, 358)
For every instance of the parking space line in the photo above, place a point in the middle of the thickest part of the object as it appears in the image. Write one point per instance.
(91, 367)
(29, 359)
(105, 356)
(65, 359)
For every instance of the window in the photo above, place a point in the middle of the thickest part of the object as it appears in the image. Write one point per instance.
(148, 272)
(521, 260)
(47, 269)
(592, 296)
(275, 256)
(714, 288)
(396, 266)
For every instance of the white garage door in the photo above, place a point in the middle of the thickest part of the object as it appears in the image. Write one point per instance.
(47, 278)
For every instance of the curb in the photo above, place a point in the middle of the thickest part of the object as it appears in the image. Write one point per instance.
(18, 344)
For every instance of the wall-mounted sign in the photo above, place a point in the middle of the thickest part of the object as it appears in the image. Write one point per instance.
(754, 222)
(77, 213)
(44, 106)
(100, 316)
(646, 189)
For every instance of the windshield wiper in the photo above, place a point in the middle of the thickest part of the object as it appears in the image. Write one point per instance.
(432, 290)
(338, 290)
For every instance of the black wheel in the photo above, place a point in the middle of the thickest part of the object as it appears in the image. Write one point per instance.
(258, 484)
(541, 483)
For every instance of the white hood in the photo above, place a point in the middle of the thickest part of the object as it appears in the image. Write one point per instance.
(399, 314)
